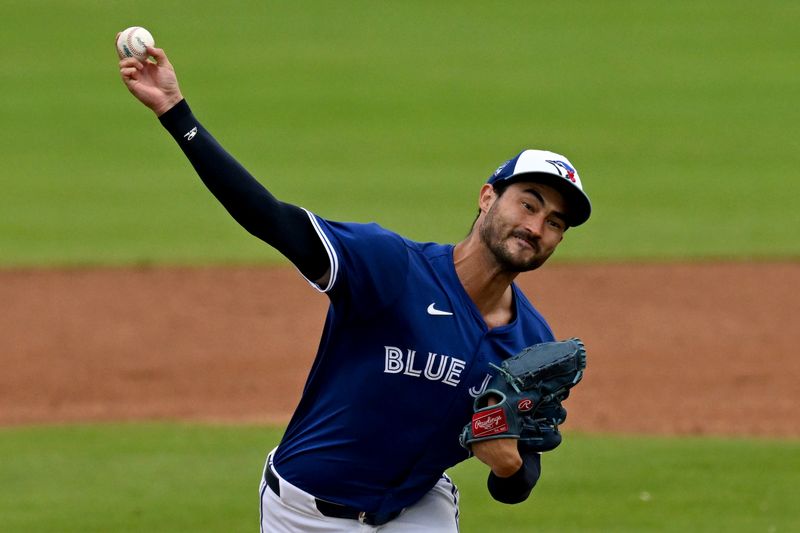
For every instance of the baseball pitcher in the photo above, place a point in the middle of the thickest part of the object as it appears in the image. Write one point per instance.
(430, 352)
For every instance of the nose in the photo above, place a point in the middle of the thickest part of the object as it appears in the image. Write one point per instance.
(534, 224)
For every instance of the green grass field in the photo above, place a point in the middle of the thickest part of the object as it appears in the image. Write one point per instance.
(680, 116)
(173, 478)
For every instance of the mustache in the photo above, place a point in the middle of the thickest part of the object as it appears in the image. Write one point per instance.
(531, 239)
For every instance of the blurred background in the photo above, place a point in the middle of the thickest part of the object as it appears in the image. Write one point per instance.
(681, 118)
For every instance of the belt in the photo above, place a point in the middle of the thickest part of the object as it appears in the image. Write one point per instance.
(335, 510)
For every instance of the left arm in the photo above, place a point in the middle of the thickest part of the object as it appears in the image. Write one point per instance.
(513, 475)
(501, 455)
(517, 487)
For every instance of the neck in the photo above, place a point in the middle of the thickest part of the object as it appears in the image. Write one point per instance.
(486, 283)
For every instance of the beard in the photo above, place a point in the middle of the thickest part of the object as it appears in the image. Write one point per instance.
(497, 240)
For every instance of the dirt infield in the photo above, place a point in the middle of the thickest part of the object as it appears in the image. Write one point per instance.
(673, 349)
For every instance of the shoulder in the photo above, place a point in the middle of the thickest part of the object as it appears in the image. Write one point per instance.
(367, 260)
(373, 239)
(355, 233)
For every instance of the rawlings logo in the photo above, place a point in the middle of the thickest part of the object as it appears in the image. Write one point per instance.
(524, 405)
(489, 422)
(560, 165)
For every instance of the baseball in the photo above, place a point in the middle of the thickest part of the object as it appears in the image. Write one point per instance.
(133, 42)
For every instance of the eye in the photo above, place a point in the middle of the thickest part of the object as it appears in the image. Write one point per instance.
(527, 206)
(556, 224)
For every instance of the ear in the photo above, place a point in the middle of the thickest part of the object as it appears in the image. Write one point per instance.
(486, 198)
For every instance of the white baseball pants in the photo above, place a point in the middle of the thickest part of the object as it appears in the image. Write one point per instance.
(295, 511)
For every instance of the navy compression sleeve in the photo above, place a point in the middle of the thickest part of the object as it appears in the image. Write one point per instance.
(517, 487)
(284, 226)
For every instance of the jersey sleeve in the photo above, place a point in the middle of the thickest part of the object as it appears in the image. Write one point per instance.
(368, 264)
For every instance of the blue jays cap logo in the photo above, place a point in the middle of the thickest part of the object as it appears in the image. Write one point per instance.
(568, 169)
(500, 168)
(505, 170)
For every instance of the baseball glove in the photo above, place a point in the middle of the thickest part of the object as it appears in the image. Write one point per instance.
(528, 390)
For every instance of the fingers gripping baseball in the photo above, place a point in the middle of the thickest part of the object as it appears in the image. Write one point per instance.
(153, 83)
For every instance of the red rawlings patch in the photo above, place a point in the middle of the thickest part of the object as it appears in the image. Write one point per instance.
(491, 422)
(524, 405)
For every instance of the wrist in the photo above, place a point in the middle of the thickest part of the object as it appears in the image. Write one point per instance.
(508, 467)
(168, 104)
(517, 487)
(177, 118)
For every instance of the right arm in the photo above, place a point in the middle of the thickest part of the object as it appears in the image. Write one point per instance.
(286, 227)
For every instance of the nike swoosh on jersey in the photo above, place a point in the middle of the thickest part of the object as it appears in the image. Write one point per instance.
(437, 312)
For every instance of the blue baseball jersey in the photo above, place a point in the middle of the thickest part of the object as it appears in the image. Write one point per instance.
(403, 354)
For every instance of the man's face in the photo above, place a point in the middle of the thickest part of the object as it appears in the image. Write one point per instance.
(523, 226)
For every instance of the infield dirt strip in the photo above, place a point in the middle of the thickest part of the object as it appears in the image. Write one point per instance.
(673, 349)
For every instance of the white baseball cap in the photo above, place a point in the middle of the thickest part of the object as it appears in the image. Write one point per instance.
(551, 169)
